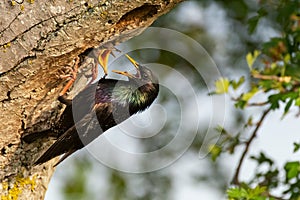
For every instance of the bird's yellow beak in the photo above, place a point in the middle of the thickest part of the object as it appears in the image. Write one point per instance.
(103, 59)
(125, 73)
(136, 64)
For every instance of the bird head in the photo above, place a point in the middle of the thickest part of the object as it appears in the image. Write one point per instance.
(142, 76)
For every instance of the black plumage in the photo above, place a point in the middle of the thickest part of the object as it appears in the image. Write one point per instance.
(97, 108)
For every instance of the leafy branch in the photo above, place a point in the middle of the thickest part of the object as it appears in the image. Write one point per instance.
(235, 179)
(274, 71)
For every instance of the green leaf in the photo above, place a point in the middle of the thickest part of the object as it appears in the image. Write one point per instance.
(288, 106)
(247, 193)
(292, 169)
(262, 158)
(240, 104)
(215, 151)
(257, 191)
(297, 101)
(247, 96)
(252, 24)
(290, 95)
(222, 86)
(296, 147)
(251, 58)
(274, 100)
(235, 85)
(237, 193)
(253, 21)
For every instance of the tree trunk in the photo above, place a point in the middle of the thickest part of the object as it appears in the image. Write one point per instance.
(38, 39)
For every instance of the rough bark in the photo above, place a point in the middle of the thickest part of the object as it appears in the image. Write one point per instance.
(38, 39)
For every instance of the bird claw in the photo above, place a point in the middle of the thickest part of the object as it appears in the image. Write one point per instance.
(73, 76)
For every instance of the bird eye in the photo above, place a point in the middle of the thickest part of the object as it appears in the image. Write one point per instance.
(145, 75)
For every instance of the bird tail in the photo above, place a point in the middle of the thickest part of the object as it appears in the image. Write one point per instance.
(70, 141)
(31, 137)
(62, 145)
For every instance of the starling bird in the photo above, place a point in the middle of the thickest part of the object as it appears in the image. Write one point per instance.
(99, 107)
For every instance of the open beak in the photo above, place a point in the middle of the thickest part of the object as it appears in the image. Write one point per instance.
(124, 73)
(136, 65)
(103, 59)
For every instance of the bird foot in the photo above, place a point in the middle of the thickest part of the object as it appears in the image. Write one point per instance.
(72, 77)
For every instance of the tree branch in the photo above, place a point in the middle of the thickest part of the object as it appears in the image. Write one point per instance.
(235, 179)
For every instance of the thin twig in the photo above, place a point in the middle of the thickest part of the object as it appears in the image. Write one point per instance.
(235, 179)
(258, 103)
(285, 79)
(252, 104)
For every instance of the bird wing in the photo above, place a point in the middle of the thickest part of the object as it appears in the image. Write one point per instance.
(92, 113)
(80, 134)
(68, 142)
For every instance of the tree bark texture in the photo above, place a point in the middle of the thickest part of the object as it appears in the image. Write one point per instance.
(38, 39)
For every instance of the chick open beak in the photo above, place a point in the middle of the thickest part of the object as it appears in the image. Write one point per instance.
(136, 65)
(103, 59)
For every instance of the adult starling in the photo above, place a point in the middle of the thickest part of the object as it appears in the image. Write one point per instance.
(99, 107)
